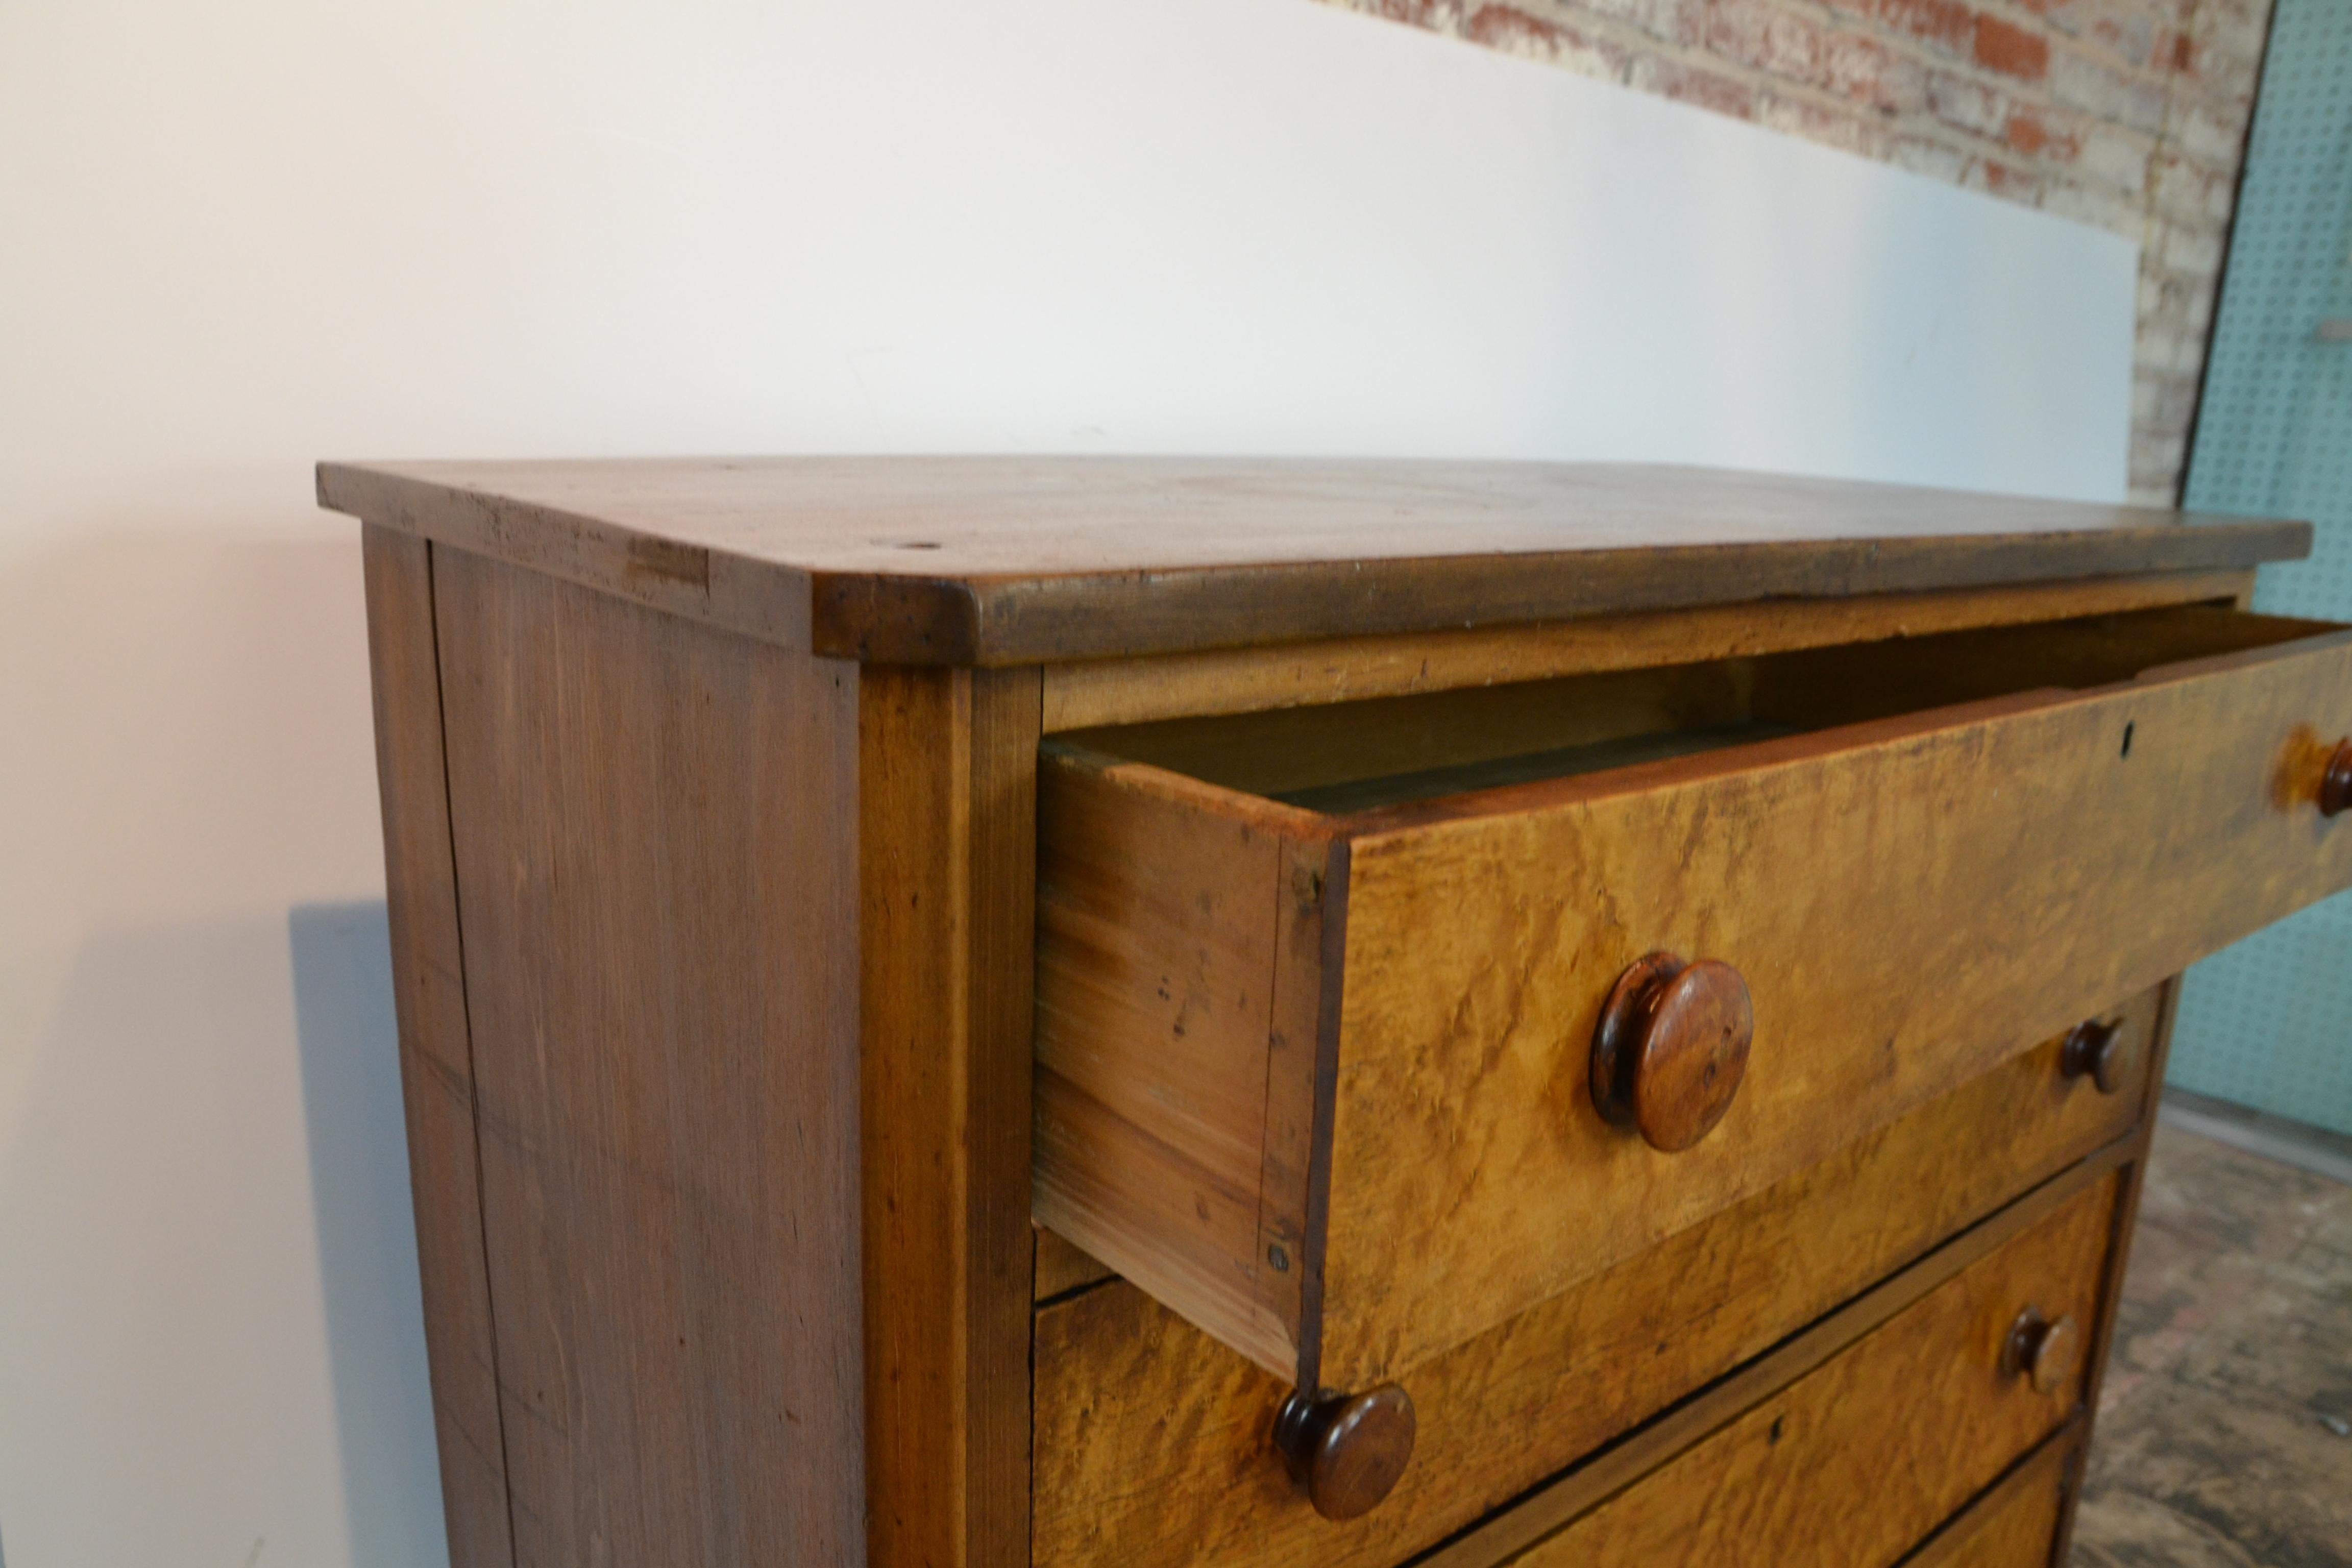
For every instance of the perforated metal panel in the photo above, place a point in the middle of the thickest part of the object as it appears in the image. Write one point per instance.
(2269, 1023)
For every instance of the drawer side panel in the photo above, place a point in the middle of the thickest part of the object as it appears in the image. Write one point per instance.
(1179, 955)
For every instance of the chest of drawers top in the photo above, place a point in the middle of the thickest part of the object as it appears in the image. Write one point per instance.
(804, 873)
(1009, 560)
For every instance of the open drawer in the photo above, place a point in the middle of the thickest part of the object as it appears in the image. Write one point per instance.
(1353, 1040)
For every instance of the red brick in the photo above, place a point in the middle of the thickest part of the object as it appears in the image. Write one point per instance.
(2212, 131)
(2066, 16)
(2030, 132)
(1689, 84)
(1514, 31)
(1923, 156)
(1676, 21)
(2113, 155)
(2186, 192)
(1861, 132)
(2103, 92)
(1868, 72)
(2129, 28)
(2223, 35)
(1683, 21)
(2010, 49)
(2005, 179)
(1968, 105)
(1437, 15)
(2095, 204)
(2129, 34)
(1764, 36)
(1945, 22)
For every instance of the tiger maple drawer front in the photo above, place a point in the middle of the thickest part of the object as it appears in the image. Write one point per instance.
(1318, 992)
(1154, 1444)
(1831, 1471)
(2015, 1524)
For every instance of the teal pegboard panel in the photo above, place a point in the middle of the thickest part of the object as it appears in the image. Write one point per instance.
(2264, 1022)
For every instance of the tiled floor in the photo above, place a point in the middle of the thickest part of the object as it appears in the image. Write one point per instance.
(2225, 1429)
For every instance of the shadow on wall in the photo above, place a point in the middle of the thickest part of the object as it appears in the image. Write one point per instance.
(344, 1027)
(211, 1349)
(212, 1102)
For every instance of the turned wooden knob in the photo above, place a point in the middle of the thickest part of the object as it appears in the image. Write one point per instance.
(2045, 1354)
(1347, 1449)
(2335, 783)
(2095, 1050)
(1671, 1049)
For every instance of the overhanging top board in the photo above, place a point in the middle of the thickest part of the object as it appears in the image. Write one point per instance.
(1001, 561)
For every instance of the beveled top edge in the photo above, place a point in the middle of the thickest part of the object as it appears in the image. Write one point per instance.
(1001, 561)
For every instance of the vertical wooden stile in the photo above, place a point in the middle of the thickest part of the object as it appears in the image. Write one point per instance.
(437, 1056)
(2118, 1263)
(947, 829)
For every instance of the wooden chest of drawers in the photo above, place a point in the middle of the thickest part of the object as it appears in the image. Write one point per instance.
(1201, 1014)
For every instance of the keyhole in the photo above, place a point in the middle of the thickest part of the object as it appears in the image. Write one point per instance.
(2127, 738)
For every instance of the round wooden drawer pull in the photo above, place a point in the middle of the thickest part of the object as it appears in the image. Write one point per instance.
(2335, 783)
(1348, 1450)
(1671, 1049)
(2097, 1051)
(2046, 1353)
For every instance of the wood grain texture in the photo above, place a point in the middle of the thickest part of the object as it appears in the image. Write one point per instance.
(1302, 749)
(1671, 1049)
(1916, 893)
(1062, 1266)
(1905, 899)
(1832, 1472)
(1178, 962)
(1249, 679)
(1820, 687)
(2150, 1091)
(1501, 1537)
(1006, 561)
(947, 852)
(436, 1054)
(1153, 1442)
(656, 870)
(2015, 1523)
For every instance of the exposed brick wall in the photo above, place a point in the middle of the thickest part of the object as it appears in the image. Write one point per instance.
(2129, 114)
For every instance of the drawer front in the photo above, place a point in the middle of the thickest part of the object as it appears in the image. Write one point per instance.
(1323, 1084)
(1856, 1462)
(1152, 1443)
(2015, 1524)
(1903, 903)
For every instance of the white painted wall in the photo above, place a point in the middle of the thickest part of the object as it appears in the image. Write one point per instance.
(238, 236)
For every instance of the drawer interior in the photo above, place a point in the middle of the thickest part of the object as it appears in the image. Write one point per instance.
(1361, 756)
